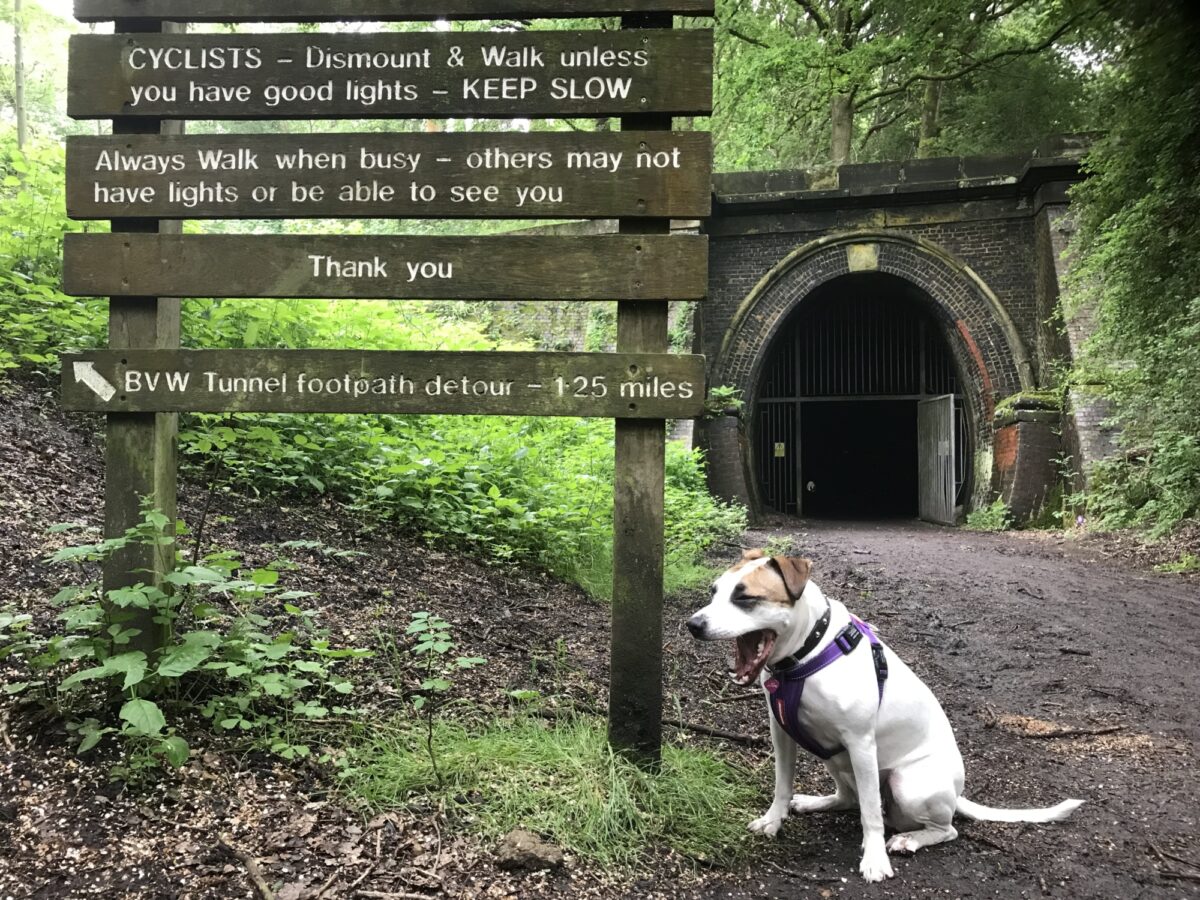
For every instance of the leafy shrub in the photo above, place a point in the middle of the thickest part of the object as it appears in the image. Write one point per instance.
(534, 490)
(39, 321)
(438, 664)
(997, 517)
(1154, 492)
(237, 650)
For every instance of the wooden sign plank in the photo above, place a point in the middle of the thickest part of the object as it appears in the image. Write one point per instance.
(627, 385)
(505, 267)
(390, 175)
(373, 10)
(387, 75)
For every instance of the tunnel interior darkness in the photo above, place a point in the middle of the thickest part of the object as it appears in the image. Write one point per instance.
(835, 421)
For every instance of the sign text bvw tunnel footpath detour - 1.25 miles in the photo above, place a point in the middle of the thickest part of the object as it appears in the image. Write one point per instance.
(148, 176)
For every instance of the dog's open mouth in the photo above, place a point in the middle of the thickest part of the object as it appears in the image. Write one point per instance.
(750, 653)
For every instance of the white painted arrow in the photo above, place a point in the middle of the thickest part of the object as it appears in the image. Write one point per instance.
(86, 372)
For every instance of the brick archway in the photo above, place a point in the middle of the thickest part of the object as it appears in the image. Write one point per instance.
(990, 355)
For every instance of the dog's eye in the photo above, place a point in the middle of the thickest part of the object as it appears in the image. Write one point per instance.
(744, 601)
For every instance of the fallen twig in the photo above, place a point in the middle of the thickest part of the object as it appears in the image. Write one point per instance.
(751, 739)
(4, 735)
(393, 895)
(1177, 875)
(361, 878)
(1067, 732)
(1072, 651)
(986, 841)
(1163, 856)
(814, 879)
(252, 868)
(326, 886)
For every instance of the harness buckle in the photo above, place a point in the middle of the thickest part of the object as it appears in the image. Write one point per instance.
(881, 666)
(848, 638)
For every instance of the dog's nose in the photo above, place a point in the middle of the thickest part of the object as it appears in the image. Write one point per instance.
(697, 625)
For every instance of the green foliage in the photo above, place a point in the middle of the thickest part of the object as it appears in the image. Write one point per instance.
(723, 399)
(1139, 250)
(1186, 564)
(37, 321)
(434, 652)
(601, 328)
(914, 77)
(238, 651)
(565, 781)
(997, 517)
(1155, 490)
(534, 490)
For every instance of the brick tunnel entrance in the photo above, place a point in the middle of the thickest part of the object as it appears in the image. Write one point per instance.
(836, 419)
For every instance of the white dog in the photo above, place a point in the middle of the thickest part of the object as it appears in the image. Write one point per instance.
(861, 709)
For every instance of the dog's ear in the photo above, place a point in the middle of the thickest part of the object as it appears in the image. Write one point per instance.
(795, 571)
(751, 555)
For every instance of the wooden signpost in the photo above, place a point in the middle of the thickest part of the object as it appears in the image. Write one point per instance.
(146, 180)
(610, 385)
(375, 268)
(374, 176)
(376, 76)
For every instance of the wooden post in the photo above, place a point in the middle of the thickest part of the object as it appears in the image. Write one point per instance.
(635, 683)
(140, 448)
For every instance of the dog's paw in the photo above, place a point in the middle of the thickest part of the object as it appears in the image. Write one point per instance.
(768, 824)
(903, 843)
(875, 865)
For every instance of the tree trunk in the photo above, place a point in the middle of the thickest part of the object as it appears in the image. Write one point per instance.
(19, 76)
(842, 116)
(931, 128)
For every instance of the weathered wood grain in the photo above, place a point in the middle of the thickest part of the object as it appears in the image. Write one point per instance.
(140, 448)
(374, 10)
(389, 75)
(607, 267)
(373, 175)
(635, 695)
(629, 385)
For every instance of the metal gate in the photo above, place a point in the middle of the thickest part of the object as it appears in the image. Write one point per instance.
(866, 337)
(936, 455)
(778, 427)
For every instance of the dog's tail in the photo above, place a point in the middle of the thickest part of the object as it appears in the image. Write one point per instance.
(990, 814)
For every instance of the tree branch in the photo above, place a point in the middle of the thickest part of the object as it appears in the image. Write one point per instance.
(880, 126)
(912, 79)
(742, 36)
(820, 20)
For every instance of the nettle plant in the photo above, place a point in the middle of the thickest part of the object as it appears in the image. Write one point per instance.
(438, 664)
(235, 648)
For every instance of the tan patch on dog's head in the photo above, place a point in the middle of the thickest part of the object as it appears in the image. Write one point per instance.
(781, 580)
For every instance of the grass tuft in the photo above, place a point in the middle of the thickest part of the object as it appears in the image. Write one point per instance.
(564, 781)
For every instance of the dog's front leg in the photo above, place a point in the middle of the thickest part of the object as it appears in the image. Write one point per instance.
(785, 779)
(864, 759)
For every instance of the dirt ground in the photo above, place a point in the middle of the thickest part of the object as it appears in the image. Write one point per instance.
(1021, 636)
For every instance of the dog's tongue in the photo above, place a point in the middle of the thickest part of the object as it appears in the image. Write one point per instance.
(751, 652)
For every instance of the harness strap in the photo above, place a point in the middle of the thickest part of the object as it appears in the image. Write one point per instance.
(786, 688)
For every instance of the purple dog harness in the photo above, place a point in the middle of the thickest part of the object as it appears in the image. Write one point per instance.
(786, 684)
